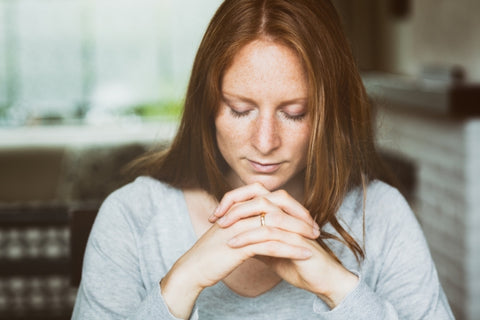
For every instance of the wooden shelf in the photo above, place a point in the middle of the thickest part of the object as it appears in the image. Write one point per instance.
(436, 97)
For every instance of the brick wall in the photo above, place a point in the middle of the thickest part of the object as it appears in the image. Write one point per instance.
(472, 170)
(446, 154)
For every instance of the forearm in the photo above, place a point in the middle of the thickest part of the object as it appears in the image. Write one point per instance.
(361, 303)
(179, 292)
(342, 283)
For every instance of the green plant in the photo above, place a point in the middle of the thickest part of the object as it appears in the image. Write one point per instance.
(161, 109)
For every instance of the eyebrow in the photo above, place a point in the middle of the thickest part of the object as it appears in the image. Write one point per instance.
(251, 101)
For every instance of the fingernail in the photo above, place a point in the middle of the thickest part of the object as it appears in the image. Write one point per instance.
(316, 226)
(306, 253)
(316, 232)
(213, 216)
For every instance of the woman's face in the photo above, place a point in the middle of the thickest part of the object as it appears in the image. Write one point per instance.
(262, 126)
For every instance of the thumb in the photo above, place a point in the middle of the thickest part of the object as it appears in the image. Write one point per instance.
(269, 261)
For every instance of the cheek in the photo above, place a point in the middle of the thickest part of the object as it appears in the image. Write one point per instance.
(231, 131)
(226, 134)
(300, 143)
(222, 142)
(299, 136)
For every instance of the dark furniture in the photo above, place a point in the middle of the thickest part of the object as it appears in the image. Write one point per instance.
(41, 255)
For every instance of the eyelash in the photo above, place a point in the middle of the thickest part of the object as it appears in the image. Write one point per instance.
(298, 117)
(240, 114)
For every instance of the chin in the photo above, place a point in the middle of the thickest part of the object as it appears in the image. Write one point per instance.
(269, 183)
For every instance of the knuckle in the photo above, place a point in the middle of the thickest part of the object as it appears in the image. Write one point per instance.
(258, 185)
(270, 248)
(228, 194)
(297, 238)
(247, 252)
(282, 193)
(307, 212)
(262, 201)
(276, 219)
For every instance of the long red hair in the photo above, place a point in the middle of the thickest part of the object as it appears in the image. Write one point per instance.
(341, 153)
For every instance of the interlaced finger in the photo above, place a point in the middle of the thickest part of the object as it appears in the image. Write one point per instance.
(288, 204)
(237, 195)
(261, 212)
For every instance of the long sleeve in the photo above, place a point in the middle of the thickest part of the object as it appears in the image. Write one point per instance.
(112, 286)
(142, 229)
(402, 279)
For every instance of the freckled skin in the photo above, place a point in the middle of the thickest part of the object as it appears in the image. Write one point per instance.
(262, 127)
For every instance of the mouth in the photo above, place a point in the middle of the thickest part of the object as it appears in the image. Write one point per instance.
(264, 167)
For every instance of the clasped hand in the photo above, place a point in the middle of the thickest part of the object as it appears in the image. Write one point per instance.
(286, 243)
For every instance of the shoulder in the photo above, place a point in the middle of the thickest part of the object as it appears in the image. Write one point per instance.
(385, 210)
(386, 206)
(379, 200)
(134, 205)
(390, 223)
(142, 188)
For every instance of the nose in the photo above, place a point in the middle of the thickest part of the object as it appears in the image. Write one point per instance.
(266, 136)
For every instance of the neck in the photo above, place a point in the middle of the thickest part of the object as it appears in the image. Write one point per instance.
(295, 187)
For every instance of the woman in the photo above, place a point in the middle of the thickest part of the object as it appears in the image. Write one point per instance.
(267, 205)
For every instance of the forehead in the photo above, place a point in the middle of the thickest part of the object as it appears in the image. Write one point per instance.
(265, 67)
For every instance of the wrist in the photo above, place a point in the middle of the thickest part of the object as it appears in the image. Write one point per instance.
(179, 293)
(342, 285)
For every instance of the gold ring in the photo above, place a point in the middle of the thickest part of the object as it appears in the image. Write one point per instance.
(262, 219)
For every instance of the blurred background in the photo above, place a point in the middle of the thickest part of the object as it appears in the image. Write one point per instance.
(86, 86)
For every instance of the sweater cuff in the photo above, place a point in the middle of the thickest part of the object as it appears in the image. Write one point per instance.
(361, 302)
(154, 307)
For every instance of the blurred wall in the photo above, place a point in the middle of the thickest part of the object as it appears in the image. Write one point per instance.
(440, 32)
(436, 32)
(405, 37)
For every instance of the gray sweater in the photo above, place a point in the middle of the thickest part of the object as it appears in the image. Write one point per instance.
(144, 227)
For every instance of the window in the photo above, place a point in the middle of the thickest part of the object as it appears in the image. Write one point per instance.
(92, 59)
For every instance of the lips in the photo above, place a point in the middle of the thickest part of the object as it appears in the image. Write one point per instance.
(264, 167)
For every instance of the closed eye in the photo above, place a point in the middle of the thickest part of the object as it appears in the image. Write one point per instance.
(294, 117)
(237, 113)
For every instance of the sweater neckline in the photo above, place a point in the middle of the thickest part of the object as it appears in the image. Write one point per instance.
(226, 290)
